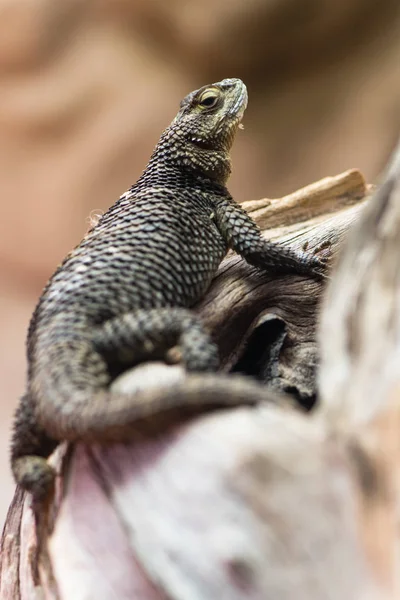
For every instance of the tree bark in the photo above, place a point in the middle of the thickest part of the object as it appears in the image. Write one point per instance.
(293, 498)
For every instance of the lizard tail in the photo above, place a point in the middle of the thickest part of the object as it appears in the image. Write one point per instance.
(114, 417)
(73, 399)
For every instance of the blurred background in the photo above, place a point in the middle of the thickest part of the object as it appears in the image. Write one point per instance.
(87, 86)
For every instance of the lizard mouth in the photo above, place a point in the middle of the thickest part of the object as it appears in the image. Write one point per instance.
(240, 104)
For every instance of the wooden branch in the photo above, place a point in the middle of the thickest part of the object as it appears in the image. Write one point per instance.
(330, 194)
(246, 503)
(360, 371)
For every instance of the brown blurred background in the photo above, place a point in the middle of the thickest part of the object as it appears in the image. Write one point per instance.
(86, 87)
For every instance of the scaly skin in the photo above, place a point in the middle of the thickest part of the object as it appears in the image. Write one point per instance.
(123, 295)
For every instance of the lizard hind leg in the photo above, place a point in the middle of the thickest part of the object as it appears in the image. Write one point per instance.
(30, 447)
(71, 400)
(145, 334)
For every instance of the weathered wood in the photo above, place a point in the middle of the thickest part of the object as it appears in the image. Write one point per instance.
(240, 296)
(360, 371)
(254, 503)
(320, 198)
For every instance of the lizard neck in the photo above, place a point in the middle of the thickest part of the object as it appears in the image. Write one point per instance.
(175, 156)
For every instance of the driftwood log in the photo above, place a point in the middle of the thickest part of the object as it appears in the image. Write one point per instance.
(294, 498)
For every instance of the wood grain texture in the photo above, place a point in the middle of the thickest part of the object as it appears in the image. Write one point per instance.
(263, 502)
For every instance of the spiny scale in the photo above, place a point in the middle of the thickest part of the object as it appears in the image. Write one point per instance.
(124, 294)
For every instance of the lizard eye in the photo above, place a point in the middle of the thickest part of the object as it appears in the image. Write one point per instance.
(209, 98)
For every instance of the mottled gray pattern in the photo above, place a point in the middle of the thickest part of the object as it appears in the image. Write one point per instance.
(123, 294)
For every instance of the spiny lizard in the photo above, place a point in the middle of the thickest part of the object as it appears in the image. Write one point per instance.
(123, 294)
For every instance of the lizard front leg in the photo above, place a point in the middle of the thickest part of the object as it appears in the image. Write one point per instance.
(244, 236)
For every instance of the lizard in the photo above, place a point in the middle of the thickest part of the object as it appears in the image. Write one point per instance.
(124, 294)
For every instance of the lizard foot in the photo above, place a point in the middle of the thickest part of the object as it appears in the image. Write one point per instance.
(35, 475)
(199, 352)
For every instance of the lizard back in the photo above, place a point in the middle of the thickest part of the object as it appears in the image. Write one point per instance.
(156, 247)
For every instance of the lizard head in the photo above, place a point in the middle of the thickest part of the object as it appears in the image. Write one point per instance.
(201, 135)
